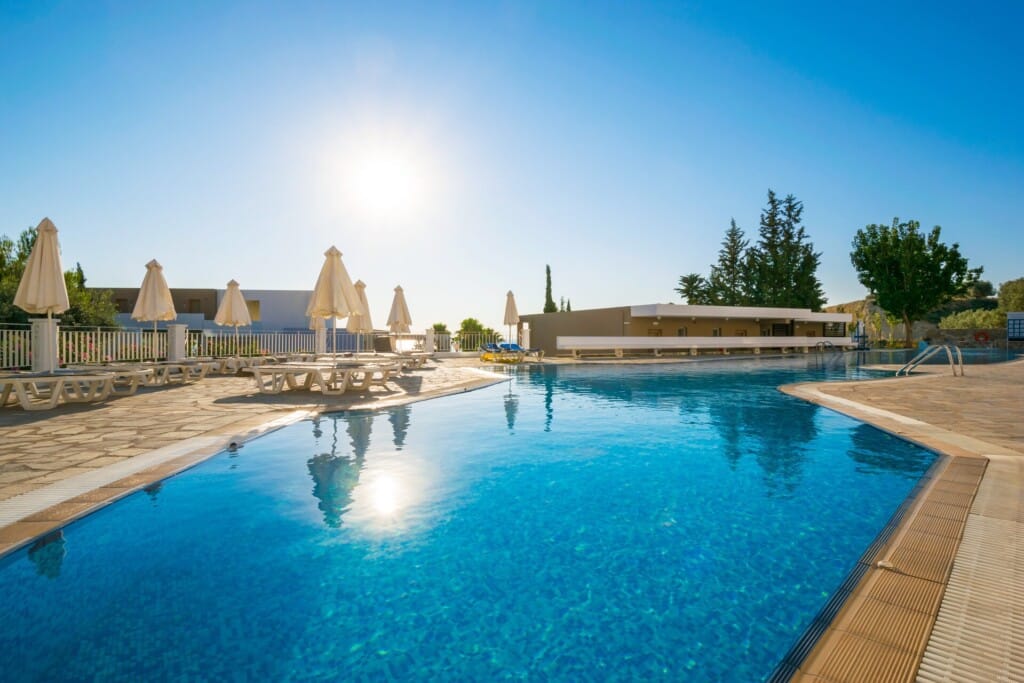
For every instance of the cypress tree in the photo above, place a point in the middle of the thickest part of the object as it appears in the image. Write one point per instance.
(549, 303)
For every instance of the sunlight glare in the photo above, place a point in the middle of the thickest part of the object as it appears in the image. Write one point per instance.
(385, 184)
(386, 495)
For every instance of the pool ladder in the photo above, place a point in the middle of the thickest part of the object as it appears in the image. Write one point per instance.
(952, 352)
(824, 347)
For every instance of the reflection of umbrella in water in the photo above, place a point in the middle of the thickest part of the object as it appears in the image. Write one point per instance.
(47, 554)
(511, 408)
(359, 427)
(333, 480)
(399, 418)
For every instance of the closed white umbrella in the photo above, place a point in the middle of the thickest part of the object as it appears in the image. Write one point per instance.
(360, 323)
(399, 320)
(42, 288)
(154, 302)
(334, 295)
(511, 314)
(232, 310)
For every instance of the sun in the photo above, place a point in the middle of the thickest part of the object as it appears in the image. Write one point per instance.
(385, 184)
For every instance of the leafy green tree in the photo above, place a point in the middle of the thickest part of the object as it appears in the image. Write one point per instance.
(909, 273)
(981, 289)
(694, 288)
(441, 328)
(1011, 296)
(549, 303)
(93, 308)
(729, 282)
(967, 320)
(471, 331)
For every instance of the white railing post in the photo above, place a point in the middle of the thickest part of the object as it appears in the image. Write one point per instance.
(320, 340)
(176, 341)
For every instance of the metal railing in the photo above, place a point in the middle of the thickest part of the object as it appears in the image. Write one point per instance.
(472, 341)
(98, 345)
(929, 352)
(227, 343)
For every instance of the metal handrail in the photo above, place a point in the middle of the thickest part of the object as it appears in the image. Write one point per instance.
(930, 351)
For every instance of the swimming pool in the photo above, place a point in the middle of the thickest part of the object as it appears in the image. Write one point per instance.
(576, 523)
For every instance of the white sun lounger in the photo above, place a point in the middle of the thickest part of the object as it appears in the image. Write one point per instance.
(43, 390)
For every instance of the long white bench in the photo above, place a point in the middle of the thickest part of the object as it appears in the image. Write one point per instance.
(693, 345)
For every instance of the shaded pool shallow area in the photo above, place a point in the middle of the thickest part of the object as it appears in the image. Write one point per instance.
(679, 522)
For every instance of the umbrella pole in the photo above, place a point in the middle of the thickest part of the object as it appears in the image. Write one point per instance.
(154, 341)
(236, 341)
(334, 343)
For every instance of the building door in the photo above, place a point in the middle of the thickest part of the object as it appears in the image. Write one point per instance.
(781, 330)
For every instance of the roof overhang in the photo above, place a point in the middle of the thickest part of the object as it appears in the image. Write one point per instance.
(736, 313)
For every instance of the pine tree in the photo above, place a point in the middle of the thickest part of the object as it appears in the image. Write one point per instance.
(801, 261)
(783, 264)
(561, 304)
(568, 306)
(549, 303)
(766, 256)
(728, 282)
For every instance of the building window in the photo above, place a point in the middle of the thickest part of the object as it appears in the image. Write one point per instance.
(254, 310)
(740, 333)
(716, 332)
(123, 305)
(654, 332)
(195, 306)
(682, 332)
(834, 330)
(1015, 329)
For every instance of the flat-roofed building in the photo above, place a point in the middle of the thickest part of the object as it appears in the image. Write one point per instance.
(689, 327)
(278, 310)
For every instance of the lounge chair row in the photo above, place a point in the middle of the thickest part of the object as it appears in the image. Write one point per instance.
(330, 378)
(93, 383)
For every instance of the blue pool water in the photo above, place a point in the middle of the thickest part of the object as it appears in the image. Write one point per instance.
(577, 523)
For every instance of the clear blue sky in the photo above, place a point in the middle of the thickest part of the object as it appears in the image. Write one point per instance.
(457, 148)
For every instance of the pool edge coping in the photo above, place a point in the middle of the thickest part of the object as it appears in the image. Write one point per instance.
(824, 650)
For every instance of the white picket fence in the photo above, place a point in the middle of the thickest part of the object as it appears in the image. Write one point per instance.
(227, 343)
(15, 347)
(107, 345)
(75, 346)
